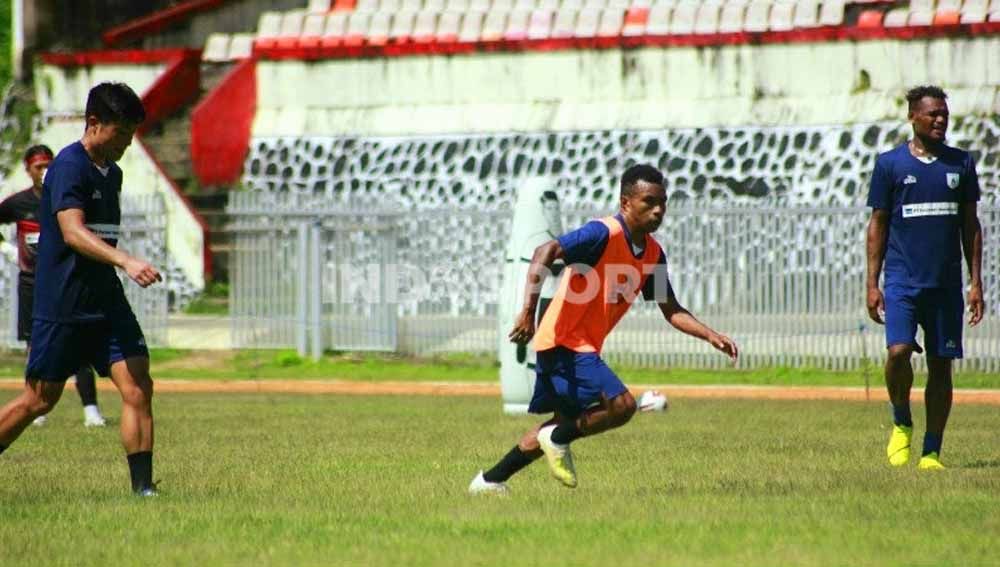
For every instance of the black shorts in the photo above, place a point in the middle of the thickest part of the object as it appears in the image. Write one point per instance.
(60, 349)
(25, 303)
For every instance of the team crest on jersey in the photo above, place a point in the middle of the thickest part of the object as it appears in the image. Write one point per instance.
(953, 180)
(910, 180)
(97, 193)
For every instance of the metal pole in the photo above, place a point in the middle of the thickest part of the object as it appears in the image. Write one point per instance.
(316, 290)
(302, 293)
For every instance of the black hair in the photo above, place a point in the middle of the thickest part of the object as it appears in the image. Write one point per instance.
(637, 173)
(35, 150)
(115, 103)
(916, 94)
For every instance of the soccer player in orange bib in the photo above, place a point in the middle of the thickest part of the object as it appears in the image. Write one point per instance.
(609, 262)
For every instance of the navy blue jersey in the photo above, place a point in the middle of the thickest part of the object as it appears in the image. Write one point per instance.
(586, 244)
(925, 223)
(70, 287)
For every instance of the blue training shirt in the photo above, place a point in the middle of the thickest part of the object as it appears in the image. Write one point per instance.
(586, 245)
(70, 287)
(924, 247)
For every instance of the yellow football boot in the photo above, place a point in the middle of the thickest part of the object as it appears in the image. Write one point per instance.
(899, 445)
(558, 457)
(930, 462)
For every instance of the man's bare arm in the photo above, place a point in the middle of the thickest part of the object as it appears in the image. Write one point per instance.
(540, 268)
(682, 320)
(972, 247)
(77, 236)
(878, 232)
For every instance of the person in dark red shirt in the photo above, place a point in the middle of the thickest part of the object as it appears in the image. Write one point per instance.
(22, 208)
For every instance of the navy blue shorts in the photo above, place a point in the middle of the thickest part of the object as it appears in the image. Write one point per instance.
(569, 382)
(939, 311)
(58, 350)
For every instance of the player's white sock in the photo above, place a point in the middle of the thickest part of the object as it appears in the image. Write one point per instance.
(92, 416)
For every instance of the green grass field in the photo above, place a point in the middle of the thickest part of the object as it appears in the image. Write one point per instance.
(284, 364)
(328, 480)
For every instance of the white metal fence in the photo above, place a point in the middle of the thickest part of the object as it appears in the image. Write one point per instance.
(787, 284)
(143, 234)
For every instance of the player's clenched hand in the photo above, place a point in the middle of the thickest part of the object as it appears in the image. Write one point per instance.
(876, 305)
(976, 305)
(524, 328)
(142, 272)
(725, 345)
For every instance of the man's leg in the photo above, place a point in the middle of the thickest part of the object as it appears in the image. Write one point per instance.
(87, 388)
(37, 398)
(520, 456)
(899, 382)
(937, 399)
(131, 377)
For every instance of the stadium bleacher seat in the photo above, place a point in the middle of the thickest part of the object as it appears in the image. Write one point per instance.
(974, 11)
(502, 5)
(682, 21)
(870, 19)
(378, 28)
(658, 22)
(335, 29)
(731, 19)
(291, 28)
(831, 13)
(806, 14)
(216, 48)
(472, 26)
(564, 23)
(994, 15)
(447, 27)
(757, 16)
(517, 25)
(401, 29)
(312, 30)
(318, 6)
(586, 22)
(524, 5)
(896, 18)
(922, 5)
(920, 17)
(268, 29)
(389, 6)
(433, 6)
(635, 21)
(411, 5)
(425, 26)
(610, 24)
(357, 28)
(946, 18)
(343, 5)
(550, 5)
(706, 20)
(367, 6)
(494, 25)
(540, 24)
(241, 46)
(458, 6)
(781, 16)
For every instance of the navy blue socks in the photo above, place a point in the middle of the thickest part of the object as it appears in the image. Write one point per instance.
(512, 462)
(932, 443)
(901, 415)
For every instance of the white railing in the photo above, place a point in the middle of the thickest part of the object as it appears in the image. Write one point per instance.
(787, 284)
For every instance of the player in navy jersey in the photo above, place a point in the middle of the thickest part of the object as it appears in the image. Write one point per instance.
(80, 313)
(923, 198)
(22, 208)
